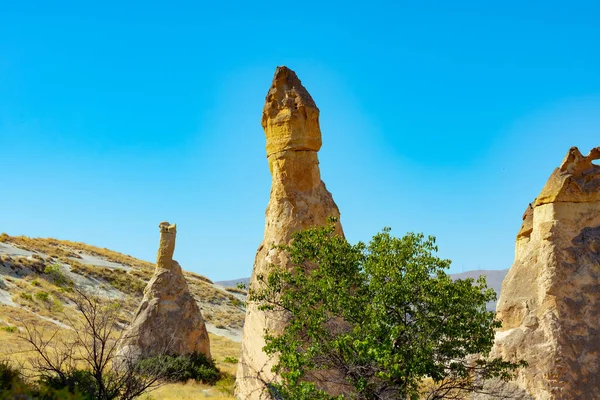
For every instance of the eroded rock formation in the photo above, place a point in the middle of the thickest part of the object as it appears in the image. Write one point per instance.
(550, 299)
(168, 320)
(298, 200)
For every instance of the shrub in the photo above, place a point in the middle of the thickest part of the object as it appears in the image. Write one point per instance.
(9, 376)
(35, 282)
(56, 305)
(226, 385)
(237, 303)
(231, 360)
(10, 329)
(13, 386)
(26, 296)
(182, 368)
(42, 296)
(77, 382)
(55, 274)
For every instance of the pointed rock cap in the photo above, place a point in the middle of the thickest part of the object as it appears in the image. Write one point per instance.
(577, 180)
(290, 116)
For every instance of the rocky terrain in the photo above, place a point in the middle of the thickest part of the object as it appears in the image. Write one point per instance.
(35, 274)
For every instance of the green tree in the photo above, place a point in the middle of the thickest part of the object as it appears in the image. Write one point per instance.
(384, 315)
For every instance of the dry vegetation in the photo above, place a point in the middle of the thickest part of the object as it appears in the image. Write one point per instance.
(125, 281)
(220, 307)
(51, 247)
(65, 248)
(236, 290)
(41, 287)
(224, 352)
(191, 391)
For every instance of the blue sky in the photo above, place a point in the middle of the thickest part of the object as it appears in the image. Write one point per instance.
(438, 117)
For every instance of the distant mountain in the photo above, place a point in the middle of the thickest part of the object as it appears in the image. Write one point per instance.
(493, 278)
(233, 282)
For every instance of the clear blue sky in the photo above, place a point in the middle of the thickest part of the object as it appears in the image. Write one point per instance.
(439, 117)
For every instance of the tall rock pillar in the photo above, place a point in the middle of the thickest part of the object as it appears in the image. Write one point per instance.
(168, 320)
(298, 200)
(550, 299)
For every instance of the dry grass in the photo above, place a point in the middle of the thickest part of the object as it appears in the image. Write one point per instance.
(219, 307)
(10, 346)
(36, 292)
(143, 274)
(186, 391)
(236, 290)
(22, 266)
(51, 247)
(66, 248)
(193, 275)
(122, 280)
(221, 348)
(43, 298)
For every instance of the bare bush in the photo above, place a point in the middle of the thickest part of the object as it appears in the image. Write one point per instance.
(83, 355)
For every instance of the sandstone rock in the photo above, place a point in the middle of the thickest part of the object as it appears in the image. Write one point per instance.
(550, 299)
(575, 181)
(298, 200)
(168, 320)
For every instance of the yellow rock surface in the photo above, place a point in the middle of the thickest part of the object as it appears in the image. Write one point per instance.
(577, 180)
(550, 299)
(299, 199)
(290, 116)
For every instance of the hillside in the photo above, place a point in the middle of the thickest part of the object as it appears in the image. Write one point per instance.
(36, 276)
(24, 260)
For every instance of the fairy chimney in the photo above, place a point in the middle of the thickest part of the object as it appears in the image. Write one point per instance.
(168, 321)
(299, 200)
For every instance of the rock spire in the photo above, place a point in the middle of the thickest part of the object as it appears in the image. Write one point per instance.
(299, 199)
(550, 299)
(168, 320)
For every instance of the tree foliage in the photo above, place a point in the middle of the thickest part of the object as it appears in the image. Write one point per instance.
(381, 320)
